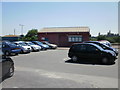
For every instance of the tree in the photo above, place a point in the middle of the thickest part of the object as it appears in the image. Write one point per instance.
(101, 37)
(31, 35)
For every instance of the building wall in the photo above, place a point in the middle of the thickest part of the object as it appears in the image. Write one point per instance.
(61, 39)
(10, 38)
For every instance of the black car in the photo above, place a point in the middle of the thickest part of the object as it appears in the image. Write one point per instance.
(106, 47)
(92, 52)
(6, 66)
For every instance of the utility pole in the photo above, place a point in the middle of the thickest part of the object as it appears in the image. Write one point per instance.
(21, 28)
(14, 31)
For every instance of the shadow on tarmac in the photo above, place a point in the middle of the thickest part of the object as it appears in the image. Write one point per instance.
(86, 62)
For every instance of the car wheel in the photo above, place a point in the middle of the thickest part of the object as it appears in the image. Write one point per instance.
(105, 60)
(74, 58)
(7, 53)
(11, 72)
(33, 49)
(16, 53)
(21, 51)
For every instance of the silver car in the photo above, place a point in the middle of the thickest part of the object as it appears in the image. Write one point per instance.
(33, 46)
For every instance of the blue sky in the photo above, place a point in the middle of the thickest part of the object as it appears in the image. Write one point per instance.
(98, 16)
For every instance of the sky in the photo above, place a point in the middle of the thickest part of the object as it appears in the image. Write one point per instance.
(98, 16)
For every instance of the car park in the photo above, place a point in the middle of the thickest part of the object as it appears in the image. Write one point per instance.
(6, 66)
(43, 46)
(33, 46)
(24, 48)
(92, 52)
(9, 48)
(52, 46)
(104, 46)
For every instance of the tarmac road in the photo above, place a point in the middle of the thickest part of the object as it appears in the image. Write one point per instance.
(53, 69)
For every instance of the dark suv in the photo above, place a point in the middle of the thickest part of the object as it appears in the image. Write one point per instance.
(92, 52)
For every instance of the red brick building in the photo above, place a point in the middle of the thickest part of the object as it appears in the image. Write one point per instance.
(64, 36)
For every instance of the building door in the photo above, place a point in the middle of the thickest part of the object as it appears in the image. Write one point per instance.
(62, 40)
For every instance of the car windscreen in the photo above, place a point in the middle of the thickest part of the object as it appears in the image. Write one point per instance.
(39, 42)
(10, 44)
(102, 45)
(30, 43)
(99, 47)
(46, 42)
(22, 44)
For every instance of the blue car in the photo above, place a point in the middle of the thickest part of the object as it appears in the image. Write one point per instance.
(9, 48)
(43, 46)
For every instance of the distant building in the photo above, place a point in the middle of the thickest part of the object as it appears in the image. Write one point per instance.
(10, 38)
(64, 36)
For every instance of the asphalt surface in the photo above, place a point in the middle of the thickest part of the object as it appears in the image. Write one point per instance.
(53, 69)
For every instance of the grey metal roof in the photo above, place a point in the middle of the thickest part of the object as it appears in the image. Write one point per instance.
(65, 29)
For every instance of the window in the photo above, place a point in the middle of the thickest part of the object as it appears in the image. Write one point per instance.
(45, 39)
(79, 48)
(75, 38)
(82, 47)
(91, 48)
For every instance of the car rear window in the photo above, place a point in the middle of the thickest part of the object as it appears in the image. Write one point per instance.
(79, 47)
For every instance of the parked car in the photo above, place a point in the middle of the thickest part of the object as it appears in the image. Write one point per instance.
(9, 48)
(104, 46)
(43, 46)
(24, 48)
(6, 66)
(92, 52)
(105, 42)
(52, 46)
(33, 46)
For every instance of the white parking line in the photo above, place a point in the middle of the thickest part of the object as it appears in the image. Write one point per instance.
(15, 87)
(65, 59)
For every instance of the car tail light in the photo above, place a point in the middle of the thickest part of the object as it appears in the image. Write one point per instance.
(15, 48)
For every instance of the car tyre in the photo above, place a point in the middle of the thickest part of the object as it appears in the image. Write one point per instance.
(74, 58)
(21, 51)
(7, 53)
(105, 60)
(11, 71)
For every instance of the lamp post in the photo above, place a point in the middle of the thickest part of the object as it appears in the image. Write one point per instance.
(21, 28)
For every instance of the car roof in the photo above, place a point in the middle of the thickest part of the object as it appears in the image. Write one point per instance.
(28, 42)
(19, 42)
(89, 44)
(104, 41)
(97, 42)
(92, 41)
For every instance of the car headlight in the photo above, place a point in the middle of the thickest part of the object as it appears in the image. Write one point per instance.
(24, 48)
(34, 47)
(116, 50)
(113, 54)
